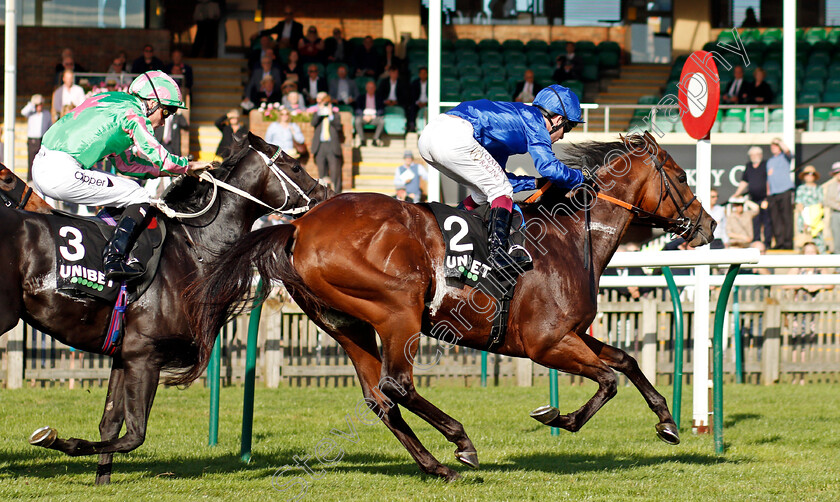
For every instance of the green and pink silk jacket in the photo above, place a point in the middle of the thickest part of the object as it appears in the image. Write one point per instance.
(112, 126)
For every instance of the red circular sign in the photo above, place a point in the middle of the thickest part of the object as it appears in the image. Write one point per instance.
(699, 94)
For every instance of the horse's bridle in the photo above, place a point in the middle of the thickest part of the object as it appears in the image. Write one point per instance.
(682, 225)
(11, 203)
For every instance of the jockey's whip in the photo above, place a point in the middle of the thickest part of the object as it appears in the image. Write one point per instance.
(534, 197)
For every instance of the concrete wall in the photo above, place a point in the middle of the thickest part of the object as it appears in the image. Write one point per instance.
(692, 26)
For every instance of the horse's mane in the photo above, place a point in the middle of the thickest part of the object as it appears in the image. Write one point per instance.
(189, 194)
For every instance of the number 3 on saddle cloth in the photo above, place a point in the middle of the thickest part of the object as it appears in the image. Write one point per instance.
(467, 263)
(79, 242)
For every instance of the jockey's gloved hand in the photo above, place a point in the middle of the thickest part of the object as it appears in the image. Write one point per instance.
(195, 168)
(590, 179)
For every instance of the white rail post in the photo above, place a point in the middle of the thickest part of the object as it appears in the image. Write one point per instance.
(648, 359)
(14, 357)
(10, 85)
(433, 108)
(702, 382)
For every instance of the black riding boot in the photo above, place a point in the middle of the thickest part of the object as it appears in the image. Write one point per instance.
(498, 231)
(118, 247)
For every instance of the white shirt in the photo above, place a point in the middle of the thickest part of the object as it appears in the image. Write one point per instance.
(287, 30)
(36, 123)
(424, 97)
(736, 86)
(73, 97)
(343, 89)
(313, 87)
(392, 94)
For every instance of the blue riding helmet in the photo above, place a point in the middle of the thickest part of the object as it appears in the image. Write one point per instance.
(559, 100)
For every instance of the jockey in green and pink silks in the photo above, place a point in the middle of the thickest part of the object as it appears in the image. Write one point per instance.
(116, 127)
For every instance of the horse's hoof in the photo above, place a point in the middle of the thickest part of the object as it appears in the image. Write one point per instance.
(468, 457)
(668, 432)
(45, 437)
(545, 414)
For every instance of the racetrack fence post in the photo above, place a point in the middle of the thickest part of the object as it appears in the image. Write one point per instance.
(676, 405)
(14, 357)
(214, 377)
(250, 375)
(554, 396)
(737, 342)
(648, 359)
(272, 358)
(717, 348)
(771, 349)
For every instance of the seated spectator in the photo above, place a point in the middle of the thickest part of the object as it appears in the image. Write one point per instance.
(739, 90)
(285, 133)
(739, 225)
(294, 102)
(313, 84)
(402, 195)
(367, 60)
(147, 62)
(419, 98)
(568, 67)
(118, 68)
(343, 89)
(760, 91)
(369, 109)
(267, 92)
(288, 31)
(809, 209)
(831, 202)
(265, 49)
(292, 69)
(810, 249)
(67, 62)
(327, 139)
(66, 97)
(232, 126)
(337, 48)
(311, 47)
(718, 212)
(527, 88)
(409, 175)
(394, 91)
(266, 67)
(179, 67)
(390, 61)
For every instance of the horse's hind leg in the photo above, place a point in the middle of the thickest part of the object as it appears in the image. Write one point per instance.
(112, 420)
(619, 360)
(360, 345)
(572, 355)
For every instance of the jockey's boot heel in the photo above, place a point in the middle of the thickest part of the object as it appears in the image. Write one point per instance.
(502, 257)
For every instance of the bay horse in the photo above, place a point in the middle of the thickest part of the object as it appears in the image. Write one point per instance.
(364, 264)
(15, 194)
(157, 334)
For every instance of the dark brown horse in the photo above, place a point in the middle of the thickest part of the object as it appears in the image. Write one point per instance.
(365, 264)
(15, 194)
(157, 335)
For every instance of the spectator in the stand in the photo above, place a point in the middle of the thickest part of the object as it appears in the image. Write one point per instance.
(66, 97)
(294, 102)
(739, 225)
(760, 91)
(762, 250)
(526, 88)
(170, 134)
(232, 126)
(394, 91)
(266, 68)
(739, 90)
(419, 98)
(390, 60)
(401, 195)
(780, 194)
(292, 69)
(369, 109)
(267, 92)
(288, 31)
(265, 49)
(206, 15)
(337, 48)
(409, 175)
(66, 53)
(327, 140)
(38, 120)
(118, 67)
(343, 89)
(754, 182)
(285, 133)
(810, 219)
(147, 62)
(569, 66)
(718, 212)
(367, 60)
(831, 201)
(313, 84)
(750, 21)
(311, 47)
(179, 67)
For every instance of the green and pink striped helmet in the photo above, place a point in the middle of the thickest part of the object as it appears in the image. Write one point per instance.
(159, 86)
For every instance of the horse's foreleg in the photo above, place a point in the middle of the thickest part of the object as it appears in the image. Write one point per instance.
(399, 343)
(112, 420)
(360, 346)
(619, 360)
(572, 355)
(140, 379)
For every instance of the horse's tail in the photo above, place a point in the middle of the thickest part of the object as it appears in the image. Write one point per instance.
(227, 290)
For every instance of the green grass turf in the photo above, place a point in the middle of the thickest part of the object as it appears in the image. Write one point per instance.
(782, 444)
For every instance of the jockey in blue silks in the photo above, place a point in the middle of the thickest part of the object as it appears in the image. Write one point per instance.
(472, 142)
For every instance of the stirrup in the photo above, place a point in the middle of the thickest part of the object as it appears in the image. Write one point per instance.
(118, 270)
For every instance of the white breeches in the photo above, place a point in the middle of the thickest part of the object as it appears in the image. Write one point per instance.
(447, 144)
(60, 176)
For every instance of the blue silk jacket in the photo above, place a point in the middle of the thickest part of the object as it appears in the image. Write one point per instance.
(505, 129)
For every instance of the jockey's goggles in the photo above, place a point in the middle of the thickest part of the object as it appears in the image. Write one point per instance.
(168, 110)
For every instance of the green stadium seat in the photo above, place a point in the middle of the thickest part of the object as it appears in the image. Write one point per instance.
(557, 46)
(513, 56)
(495, 79)
(283, 54)
(833, 125)
(736, 113)
(726, 36)
(536, 46)
(664, 124)
(833, 36)
(420, 121)
(450, 94)
(395, 120)
(447, 45)
(539, 58)
(515, 69)
(832, 84)
(332, 69)
(493, 69)
(513, 45)
(609, 46)
(810, 97)
(575, 86)
(449, 71)
(818, 125)
(543, 72)
(756, 114)
(835, 113)
(498, 94)
(756, 127)
(715, 126)
(815, 34)
(465, 43)
(470, 70)
(710, 46)
(823, 46)
(361, 82)
(492, 57)
(449, 83)
(731, 126)
(608, 60)
(489, 44)
(819, 59)
(419, 56)
(822, 113)
(345, 108)
(678, 126)
(771, 34)
(749, 34)
(648, 99)
(471, 82)
(467, 58)
(834, 69)
(590, 73)
(585, 46)
(472, 94)
(831, 97)
(814, 85)
(800, 34)
(777, 114)
(776, 126)
(417, 44)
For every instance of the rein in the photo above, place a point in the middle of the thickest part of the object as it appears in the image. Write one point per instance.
(270, 163)
(11, 203)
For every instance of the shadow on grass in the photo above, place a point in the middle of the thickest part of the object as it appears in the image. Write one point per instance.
(730, 420)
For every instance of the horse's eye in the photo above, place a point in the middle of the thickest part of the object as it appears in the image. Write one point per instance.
(682, 178)
(296, 168)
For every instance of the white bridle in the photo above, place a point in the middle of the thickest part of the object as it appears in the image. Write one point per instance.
(285, 181)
